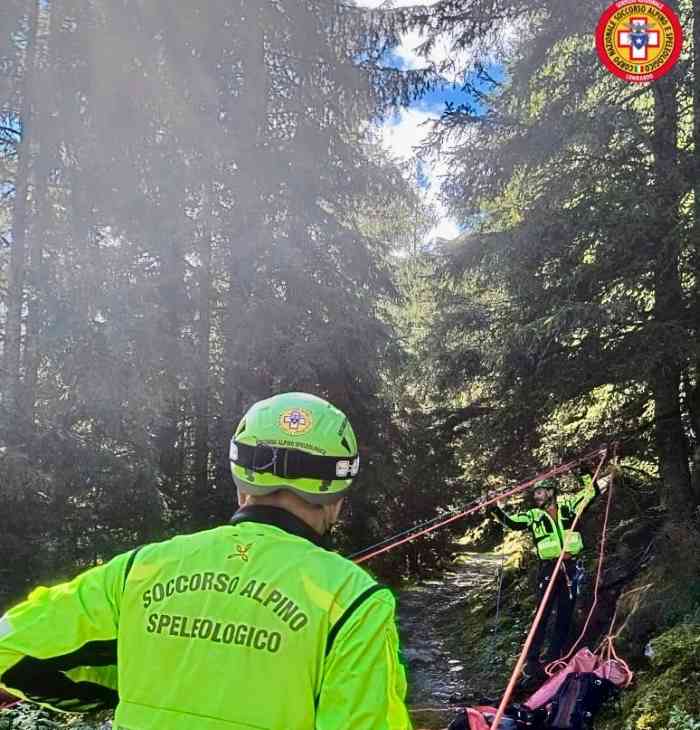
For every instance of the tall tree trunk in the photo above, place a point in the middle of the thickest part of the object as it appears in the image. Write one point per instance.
(35, 298)
(37, 277)
(694, 390)
(201, 491)
(11, 374)
(247, 237)
(169, 445)
(671, 440)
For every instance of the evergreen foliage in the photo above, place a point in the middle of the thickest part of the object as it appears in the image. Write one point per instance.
(193, 217)
(567, 310)
(189, 223)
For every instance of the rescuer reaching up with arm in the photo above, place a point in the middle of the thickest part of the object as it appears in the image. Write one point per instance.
(549, 522)
(248, 625)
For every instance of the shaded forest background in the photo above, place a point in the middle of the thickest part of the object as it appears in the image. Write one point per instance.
(195, 213)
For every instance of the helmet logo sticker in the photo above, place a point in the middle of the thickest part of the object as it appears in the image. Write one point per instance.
(296, 421)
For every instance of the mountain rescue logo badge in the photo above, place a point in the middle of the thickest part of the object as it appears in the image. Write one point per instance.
(639, 41)
(296, 421)
(242, 552)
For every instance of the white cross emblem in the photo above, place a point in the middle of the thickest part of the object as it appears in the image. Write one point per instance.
(638, 38)
(295, 420)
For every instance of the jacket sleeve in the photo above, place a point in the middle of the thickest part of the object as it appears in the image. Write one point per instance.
(364, 683)
(579, 501)
(517, 521)
(59, 647)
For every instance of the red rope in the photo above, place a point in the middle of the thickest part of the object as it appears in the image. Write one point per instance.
(538, 617)
(481, 503)
(606, 650)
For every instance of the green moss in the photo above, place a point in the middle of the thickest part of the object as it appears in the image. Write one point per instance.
(664, 696)
(681, 720)
(680, 642)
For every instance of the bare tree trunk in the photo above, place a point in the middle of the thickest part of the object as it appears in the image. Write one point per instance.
(170, 441)
(201, 491)
(247, 237)
(671, 439)
(11, 374)
(693, 393)
(34, 305)
(37, 277)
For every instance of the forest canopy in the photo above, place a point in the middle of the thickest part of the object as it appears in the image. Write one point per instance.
(195, 213)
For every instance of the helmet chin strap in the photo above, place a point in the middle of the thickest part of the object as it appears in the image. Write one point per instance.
(332, 512)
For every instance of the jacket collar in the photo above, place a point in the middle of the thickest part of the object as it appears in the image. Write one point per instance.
(281, 518)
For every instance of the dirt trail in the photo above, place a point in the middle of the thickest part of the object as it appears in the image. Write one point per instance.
(434, 620)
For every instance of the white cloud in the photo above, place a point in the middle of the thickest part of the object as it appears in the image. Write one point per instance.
(400, 136)
(406, 51)
(494, 46)
(446, 228)
(406, 131)
(440, 52)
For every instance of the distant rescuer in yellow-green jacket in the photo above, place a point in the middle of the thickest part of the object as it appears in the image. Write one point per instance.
(252, 625)
(549, 523)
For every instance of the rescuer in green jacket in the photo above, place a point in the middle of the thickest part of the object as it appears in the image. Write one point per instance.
(252, 625)
(549, 523)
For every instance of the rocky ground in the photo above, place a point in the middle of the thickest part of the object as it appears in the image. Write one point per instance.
(26, 717)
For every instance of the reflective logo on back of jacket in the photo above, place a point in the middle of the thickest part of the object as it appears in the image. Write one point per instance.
(244, 626)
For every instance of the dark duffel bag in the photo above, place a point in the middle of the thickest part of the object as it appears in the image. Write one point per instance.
(527, 719)
(578, 700)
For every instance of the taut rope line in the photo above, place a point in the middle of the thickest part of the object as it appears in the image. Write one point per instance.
(476, 505)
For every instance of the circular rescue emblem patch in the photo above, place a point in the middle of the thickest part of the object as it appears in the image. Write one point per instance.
(639, 41)
(296, 421)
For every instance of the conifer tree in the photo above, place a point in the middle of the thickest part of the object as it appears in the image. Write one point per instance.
(573, 286)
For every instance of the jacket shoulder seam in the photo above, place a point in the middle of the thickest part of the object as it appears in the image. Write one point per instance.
(348, 613)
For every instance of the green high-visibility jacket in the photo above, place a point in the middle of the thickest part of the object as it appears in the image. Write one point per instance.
(249, 625)
(551, 535)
